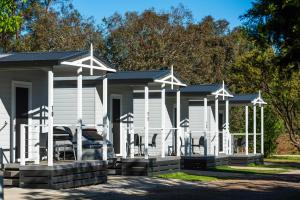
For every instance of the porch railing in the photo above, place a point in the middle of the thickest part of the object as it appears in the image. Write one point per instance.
(239, 142)
(131, 131)
(34, 138)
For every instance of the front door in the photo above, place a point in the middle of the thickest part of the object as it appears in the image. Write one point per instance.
(21, 108)
(116, 115)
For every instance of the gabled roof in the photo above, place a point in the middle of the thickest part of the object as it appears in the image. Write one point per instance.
(130, 77)
(254, 98)
(204, 89)
(42, 58)
(139, 75)
(244, 98)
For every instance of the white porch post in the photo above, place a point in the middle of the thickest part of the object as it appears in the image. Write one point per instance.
(247, 130)
(205, 127)
(22, 145)
(146, 128)
(79, 114)
(50, 118)
(217, 126)
(262, 129)
(163, 120)
(131, 137)
(124, 139)
(227, 134)
(254, 129)
(105, 121)
(178, 113)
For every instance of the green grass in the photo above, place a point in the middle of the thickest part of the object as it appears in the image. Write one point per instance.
(284, 158)
(188, 177)
(286, 167)
(251, 171)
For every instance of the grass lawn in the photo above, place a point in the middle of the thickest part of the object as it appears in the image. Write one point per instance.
(284, 158)
(188, 177)
(258, 169)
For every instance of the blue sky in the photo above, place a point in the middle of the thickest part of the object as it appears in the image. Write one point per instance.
(219, 9)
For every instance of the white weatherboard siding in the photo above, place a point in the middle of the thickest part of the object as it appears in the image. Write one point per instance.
(39, 101)
(196, 116)
(196, 124)
(154, 121)
(65, 104)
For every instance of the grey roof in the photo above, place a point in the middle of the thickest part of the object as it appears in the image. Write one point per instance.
(202, 88)
(243, 98)
(124, 76)
(139, 75)
(42, 58)
(38, 56)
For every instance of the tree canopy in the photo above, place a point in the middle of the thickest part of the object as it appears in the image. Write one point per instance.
(272, 61)
(199, 51)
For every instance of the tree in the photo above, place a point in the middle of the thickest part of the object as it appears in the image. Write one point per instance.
(9, 20)
(256, 69)
(151, 40)
(272, 27)
(277, 22)
(54, 25)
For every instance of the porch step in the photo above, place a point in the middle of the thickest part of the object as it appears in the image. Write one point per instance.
(11, 174)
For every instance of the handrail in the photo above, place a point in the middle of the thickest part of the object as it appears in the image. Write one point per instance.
(5, 124)
(243, 134)
(142, 128)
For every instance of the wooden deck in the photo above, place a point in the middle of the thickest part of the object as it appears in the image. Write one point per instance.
(240, 159)
(206, 162)
(63, 174)
(151, 167)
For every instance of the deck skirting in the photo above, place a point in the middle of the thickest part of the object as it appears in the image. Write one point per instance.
(149, 167)
(207, 162)
(61, 176)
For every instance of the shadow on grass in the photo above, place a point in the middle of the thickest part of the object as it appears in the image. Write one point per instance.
(152, 188)
(246, 175)
(281, 163)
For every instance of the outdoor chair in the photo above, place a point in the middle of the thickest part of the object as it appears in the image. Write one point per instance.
(137, 143)
(152, 144)
(182, 145)
(199, 145)
(63, 142)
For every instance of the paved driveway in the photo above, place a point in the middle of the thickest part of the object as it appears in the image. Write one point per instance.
(121, 188)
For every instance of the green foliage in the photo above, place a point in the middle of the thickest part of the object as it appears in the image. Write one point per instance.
(273, 65)
(274, 127)
(199, 51)
(52, 26)
(277, 23)
(9, 22)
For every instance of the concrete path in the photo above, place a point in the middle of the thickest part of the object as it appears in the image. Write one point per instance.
(123, 188)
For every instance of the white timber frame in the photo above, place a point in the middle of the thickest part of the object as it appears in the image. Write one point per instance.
(50, 116)
(79, 65)
(260, 102)
(172, 81)
(225, 94)
(205, 126)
